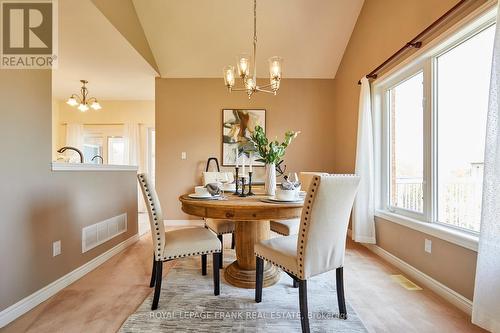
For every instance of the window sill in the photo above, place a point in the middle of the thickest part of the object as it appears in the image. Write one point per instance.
(58, 166)
(457, 237)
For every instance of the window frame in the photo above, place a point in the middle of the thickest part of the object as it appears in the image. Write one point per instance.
(425, 61)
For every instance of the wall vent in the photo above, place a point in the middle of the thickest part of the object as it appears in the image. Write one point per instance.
(405, 283)
(101, 232)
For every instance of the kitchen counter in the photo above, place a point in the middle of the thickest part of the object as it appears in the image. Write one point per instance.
(61, 166)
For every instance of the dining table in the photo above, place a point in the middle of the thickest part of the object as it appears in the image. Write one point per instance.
(252, 215)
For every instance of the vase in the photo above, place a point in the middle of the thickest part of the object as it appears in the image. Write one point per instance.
(270, 181)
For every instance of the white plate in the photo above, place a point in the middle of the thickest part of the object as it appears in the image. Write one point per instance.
(202, 196)
(274, 199)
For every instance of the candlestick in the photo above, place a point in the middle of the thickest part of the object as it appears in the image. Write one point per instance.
(250, 183)
(237, 185)
(242, 194)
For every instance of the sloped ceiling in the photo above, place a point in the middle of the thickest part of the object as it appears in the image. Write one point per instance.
(197, 38)
(91, 48)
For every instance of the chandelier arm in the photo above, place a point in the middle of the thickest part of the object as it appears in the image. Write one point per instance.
(239, 89)
(265, 90)
(91, 99)
(75, 96)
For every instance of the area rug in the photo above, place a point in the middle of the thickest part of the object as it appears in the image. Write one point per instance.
(187, 304)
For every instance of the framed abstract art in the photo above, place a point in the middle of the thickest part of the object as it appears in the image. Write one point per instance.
(237, 127)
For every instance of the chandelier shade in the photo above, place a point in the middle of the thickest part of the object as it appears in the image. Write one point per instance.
(81, 101)
(243, 63)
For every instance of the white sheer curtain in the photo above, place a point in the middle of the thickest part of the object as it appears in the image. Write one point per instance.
(363, 221)
(486, 302)
(74, 138)
(132, 138)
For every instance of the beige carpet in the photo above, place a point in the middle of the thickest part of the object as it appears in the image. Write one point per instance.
(187, 304)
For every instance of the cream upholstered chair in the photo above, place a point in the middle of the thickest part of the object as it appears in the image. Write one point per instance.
(291, 227)
(320, 245)
(220, 227)
(176, 244)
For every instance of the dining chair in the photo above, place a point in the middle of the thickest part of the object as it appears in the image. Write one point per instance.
(219, 227)
(175, 244)
(320, 245)
(291, 227)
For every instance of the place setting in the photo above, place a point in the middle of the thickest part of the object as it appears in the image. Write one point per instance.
(289, 191)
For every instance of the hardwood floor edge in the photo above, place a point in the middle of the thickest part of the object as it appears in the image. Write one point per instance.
(461, 302)
(29, 302)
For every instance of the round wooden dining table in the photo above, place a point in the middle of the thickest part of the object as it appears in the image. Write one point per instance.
(251, 216)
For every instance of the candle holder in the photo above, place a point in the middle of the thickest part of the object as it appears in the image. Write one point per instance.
(250, 184)
(242, 194)
(236, 192)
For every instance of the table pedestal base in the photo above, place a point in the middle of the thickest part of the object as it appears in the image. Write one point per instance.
(241, 273)
(243, 278)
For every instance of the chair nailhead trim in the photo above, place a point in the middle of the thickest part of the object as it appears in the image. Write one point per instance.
(276, 264)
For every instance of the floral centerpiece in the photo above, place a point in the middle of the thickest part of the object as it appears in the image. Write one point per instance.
(271, 153)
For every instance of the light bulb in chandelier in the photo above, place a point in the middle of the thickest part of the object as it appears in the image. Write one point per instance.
(72, 101)
(83, 107)
(243, 65)
(96, 106)
(229, 76)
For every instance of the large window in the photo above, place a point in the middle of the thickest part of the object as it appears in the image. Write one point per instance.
(433, 122)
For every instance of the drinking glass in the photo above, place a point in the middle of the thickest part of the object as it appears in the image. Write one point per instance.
(223, 178)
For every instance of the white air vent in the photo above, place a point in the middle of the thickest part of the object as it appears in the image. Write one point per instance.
(101, 232)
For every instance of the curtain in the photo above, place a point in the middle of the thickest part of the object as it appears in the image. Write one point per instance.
(132, 138)
(363, 221)
(74, 138)
(486, 302)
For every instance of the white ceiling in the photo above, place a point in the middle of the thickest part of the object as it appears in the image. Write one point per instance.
(91, 48)
(197, 38)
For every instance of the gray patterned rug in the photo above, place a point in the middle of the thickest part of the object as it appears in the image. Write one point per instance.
(187, 304)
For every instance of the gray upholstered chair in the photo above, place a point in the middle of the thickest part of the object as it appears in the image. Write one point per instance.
(320, 245)
(176, 244)
(219, 227)
(291, 227)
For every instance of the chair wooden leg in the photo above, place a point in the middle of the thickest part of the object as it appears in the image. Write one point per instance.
(159, 273)
(233, 241)
(259, 278)
(203, 264)
(216, 259)
(153, 274)
(295, 283)
(304, 313)
(221, 250)
(340, 293)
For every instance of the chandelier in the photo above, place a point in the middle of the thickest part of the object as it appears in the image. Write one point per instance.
(82, 100)
(250, 81)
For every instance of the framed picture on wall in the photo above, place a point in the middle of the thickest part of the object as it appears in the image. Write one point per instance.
(237, 127)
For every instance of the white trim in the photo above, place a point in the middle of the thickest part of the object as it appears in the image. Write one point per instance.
(184, 223)
(455, 236)
(60, 166)
(26, 304)
(448, 294)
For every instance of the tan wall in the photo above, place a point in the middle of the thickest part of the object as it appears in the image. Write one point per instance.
(189, 118)
(382, 28)
(39, 206)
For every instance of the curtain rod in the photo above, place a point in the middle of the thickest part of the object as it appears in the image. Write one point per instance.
(416, 41)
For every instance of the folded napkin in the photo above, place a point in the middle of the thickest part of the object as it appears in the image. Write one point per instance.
(213, 189)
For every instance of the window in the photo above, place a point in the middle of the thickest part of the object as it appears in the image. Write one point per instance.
(92, 147)
(406, 144)
(432, 127)
(116, 150)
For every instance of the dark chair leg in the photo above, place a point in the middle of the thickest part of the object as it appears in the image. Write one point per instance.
(216, 258)
(233, 241)
(159, 273)
(295, 283)
(153, 274)
(259, 278)
(221, 250)
(304, 313)
(340, 293)
(203, 264)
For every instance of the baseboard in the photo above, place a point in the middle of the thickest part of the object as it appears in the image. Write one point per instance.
(26, 304)
(184, 223)
(448, 294)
